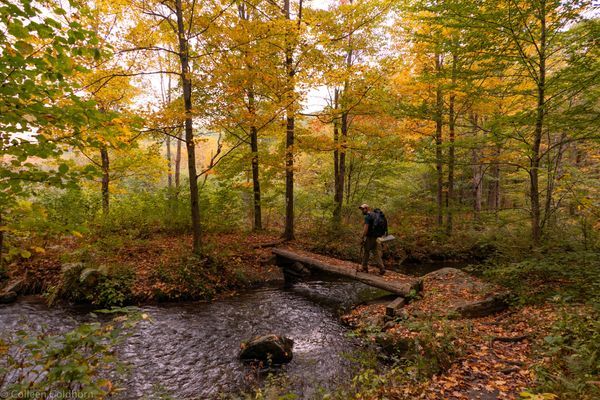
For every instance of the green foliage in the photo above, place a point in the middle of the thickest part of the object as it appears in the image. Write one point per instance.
(274, 387)
(39, 53)
(572, 351)
(368, 383)
(42, 48)
(573, 276)
(223, 208)
(433, 350)
(101, 286)
(75, 364)
(190, 278)
(140, 212)
(66, 211)
(371, 379)
(137, 213)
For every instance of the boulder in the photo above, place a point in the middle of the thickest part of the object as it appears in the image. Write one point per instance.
(296, 270)
(270, 349)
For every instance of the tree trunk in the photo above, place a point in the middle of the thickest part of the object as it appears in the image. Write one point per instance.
(338, 190)
(349, 181)
(1, 242)
(178, 164)
(169, 166)
(554, 173)
(105, 180)
(577, 163)
(289, 179)
(168, 140)
(477, 170)
(257, 212)
(186, 82)
(477, 182)
(536, 223)
(290, 127)
(451, 133)
(343, 139)
(255, 178)
(344, 122)
(439, 108)
(343, 149)
(494, 188)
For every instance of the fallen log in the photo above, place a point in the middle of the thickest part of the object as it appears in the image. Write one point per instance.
(509, 339)
(404, 288)
(10, 292)
(485, 307)
(268, 244)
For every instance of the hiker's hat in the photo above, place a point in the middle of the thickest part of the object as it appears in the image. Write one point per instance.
(363, 206)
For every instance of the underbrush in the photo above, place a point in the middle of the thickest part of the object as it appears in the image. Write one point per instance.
(191, 278)
(571, 354)
(573, 276)
(429, 349)
(102, 285)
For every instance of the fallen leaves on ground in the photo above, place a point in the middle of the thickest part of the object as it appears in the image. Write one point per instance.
(497, 353)
(156, 260)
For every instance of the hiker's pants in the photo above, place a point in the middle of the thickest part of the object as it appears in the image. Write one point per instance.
(371, 245)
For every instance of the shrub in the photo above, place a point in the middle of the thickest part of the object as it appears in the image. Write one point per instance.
(572, 351)
(101, 286)
(190, 278)
(573, 276)
(75, 364)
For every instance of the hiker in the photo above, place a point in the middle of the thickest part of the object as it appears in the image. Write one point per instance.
(375, 226)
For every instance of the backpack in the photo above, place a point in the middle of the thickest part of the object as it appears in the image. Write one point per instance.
(380, 225)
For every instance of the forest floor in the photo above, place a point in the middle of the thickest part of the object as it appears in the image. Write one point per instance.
(447, 356)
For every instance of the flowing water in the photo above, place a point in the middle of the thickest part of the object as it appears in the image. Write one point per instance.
(190, 349)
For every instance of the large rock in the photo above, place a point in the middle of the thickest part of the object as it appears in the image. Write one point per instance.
(270, 349)
(297, 270)
(455, 293)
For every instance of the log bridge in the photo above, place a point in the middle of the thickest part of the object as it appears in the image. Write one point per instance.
(299, 263)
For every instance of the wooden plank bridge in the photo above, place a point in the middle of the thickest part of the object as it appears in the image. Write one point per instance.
(298, 263)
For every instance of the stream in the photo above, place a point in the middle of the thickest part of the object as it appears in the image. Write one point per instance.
(189, 350)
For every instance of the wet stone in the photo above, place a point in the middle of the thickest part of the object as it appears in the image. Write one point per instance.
(270, 349)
